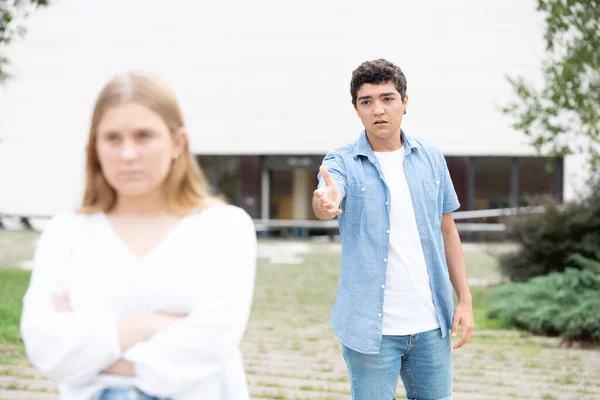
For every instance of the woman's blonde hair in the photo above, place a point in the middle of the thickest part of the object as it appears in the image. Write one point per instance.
(186, 186)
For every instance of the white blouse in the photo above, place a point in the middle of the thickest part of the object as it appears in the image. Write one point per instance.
(205, 267)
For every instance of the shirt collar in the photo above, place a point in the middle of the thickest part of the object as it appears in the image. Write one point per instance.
(363, 147)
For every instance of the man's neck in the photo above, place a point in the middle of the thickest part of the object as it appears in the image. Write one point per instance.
(392, 144)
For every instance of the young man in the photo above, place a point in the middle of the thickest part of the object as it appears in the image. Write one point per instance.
(393, 197)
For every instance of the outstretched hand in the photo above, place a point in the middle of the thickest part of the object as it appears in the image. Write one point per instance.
(327, 198)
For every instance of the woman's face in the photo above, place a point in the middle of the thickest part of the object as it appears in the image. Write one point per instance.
(136, 149)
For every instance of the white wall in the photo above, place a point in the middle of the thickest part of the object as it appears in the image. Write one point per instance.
(40, 178)
(261, 77)
(270, 77)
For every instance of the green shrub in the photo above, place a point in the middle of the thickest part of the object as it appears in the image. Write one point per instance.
(549, 239)
(565, 304)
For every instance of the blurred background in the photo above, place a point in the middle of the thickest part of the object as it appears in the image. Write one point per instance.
(264, 87)
(508, 90)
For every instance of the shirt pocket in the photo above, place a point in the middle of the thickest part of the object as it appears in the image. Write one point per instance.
(357, 200)
(431, 188)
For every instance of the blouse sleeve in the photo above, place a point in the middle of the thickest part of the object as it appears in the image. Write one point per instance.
(177, 359)
(68, 347)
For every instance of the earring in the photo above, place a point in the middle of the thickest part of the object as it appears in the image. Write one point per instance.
(404, 112)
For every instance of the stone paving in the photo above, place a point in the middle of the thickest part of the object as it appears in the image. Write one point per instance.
(495, 365)
(291, 353)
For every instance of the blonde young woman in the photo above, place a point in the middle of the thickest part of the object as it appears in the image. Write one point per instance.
(145, 291)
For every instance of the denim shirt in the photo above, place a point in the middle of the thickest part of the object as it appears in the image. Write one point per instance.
(364, 228)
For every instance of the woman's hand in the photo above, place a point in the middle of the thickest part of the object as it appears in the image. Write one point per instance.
(61, 303)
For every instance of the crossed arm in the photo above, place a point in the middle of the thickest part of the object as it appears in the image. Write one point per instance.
(131, 330)
(166, 354)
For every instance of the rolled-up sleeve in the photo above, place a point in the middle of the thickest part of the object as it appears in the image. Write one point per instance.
(68, 347)
(177, 359)
(335, 166)
(450, 198)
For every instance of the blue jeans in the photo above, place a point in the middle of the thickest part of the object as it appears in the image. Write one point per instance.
(424, 361)
(122, 394)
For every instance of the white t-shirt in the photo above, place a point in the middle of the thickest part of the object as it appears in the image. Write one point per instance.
(204, 267)
(408, 303)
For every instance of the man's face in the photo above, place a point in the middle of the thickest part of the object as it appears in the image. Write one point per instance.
(380, 108)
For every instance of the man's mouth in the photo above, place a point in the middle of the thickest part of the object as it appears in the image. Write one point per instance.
(380, 123)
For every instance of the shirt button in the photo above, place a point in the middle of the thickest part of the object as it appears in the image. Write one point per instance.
(386, 203)
(362, 190)
(379, 315)
(388, 231)
(385, 259)
(383, 286)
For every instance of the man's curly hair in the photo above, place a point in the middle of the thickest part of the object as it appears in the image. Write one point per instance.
(376, 72)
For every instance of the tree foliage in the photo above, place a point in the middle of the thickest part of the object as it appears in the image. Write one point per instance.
(563, 304)
(549, 239)
(563, 115)
(12, 15)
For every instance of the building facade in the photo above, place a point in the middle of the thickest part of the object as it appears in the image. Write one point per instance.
(264, 89)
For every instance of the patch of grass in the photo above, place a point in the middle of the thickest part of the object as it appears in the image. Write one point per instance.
(548, 396)
(530, 352)
(277, 396)
(533, 364)
(13, 284)
(585, 391)
(566, 380)
(13, 361)
(482, 297)
(16, 374)
(499, 356)
(477, 374)
(338, 379)
(268, 384)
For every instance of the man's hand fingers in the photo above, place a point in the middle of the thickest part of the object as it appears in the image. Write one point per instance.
(464, 337)
(334, 212)
(325, 203)
(331, 209)
(455, 323)
(320, 193)
(326, 176)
